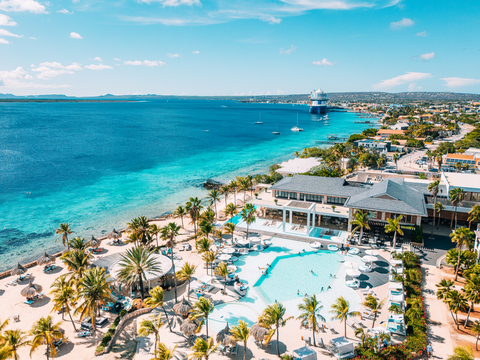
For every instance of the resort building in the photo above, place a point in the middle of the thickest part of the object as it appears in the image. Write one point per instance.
(464, 159)
(385, 133)
(383, 147)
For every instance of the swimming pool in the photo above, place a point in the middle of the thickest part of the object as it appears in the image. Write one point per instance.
(292, 276)
(231, 313)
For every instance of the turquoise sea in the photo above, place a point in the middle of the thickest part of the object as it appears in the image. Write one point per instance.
(98, 165)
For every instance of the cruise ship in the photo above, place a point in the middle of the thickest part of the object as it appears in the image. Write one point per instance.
(318, 102)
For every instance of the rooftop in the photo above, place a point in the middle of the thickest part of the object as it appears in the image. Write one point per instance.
(390, 132)
(460, 156)
(468, 182)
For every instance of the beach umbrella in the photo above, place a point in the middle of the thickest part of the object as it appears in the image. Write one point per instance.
(188, 327)
(350, 265)
(243, 242)
(258, 332)
(31, 289)
(182, 308)
(19, 270)
(224, 257)
(316, 245)
(336, 238)
(45, 259)
(229, 250)
(371, 252)
(353, 272)
(369, 258)
(113, 235)
(225, 338)
(94, 242)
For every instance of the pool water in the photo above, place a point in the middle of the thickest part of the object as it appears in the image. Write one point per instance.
(231, 314)
(292, 276)
(235, 220)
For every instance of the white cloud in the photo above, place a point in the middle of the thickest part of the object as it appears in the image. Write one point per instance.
(98, 67)
(32, 38)
(405, 22)
(174, 2)
(323, 62)
(16, 79)
(6, 20)
(426, 57)
(4, 41)
(196, 52)
(409, 77)
(4, 32)
(65, 11)
(173, 55)
(288, 51)
(414, 87)
(422, 33)
(117, 59)
(271, 19)
(144, 63)
(22, 5)
(49, 70)
(75, 35)
(97, 58)
(453, 82)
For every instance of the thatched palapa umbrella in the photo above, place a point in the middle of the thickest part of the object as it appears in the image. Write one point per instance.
(225, 338)
(94, 242)
(189, 327)
(19, 270)
(114, 235)
(45, 259)
(258, 332)
(182, 308)
(31, 289)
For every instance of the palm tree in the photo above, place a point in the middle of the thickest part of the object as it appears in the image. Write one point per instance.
(444, 286)
(64, 296)
(456, 301)
(439, 160)
(134, 265)
(172, 230)
(193, 207)
(4, 352)
(180, 212)
(208, 215)
(221, 270)
(200, 310)
(225, 190)
(206, 228)
(438, 208)
(310, 314)
(394, 226)
(229, 228)
(44, 331)
(209, 258)
(64, 230)
(164, 353)
(77, 262)
(13, 340)
(203, 245)
(463, 237)
(396, 157)
(244, 186)
(476, 330)
(462, 353)
(214, 197)
(248, 215)
(140, 228)
(363, 335)
(395, 309)
(434, 189)
(360, 222)
(186, 273)
(472, 293)
(233, 187)
(474, 215)
(151, 327)
(341, 311)
(94, 289)
(78, 243)
(456, 196)
(156, 299)
(241, 333)
(374, 305)
(155, 231)
(231, 210)
(272, 316)
(202, 349)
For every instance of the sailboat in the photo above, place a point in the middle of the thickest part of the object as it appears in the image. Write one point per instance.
(276, 132)
(259, 122)
(296, 128)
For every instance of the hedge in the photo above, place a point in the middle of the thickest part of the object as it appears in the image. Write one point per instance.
(109, 334)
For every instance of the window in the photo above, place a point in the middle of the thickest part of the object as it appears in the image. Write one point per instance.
(286, 194)
(315, 198)
(335, 200)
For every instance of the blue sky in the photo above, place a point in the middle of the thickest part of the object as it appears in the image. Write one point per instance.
(227, 47)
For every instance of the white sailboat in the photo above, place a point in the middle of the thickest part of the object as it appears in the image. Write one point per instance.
(259, 122)
(276, 132)
(296, 128)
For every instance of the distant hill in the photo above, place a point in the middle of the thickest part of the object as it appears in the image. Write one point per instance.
(342, 96)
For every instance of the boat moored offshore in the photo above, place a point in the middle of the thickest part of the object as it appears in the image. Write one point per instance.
(318, 102)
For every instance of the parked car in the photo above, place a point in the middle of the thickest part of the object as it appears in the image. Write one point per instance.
(99, 321)
(433, 170)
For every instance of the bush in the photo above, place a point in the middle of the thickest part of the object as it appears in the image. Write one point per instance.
(117, 319)
(100, 348)
(123, 313)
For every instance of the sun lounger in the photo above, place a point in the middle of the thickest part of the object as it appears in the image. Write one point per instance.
(28, 302)
(351, 324)
(233, 350)
(12, 283)
(16, 318)
(328, 327)
(83, 334)
(319, 342)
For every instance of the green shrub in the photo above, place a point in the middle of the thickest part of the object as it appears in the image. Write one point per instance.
(100, 348)
(123, 313)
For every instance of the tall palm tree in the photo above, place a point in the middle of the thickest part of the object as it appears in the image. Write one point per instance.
(396, 157)
(463, 237)
(135, 264)
(361, 334)
(456, 301)
(203, 349)
(141, 228)
(64, 230)
(208, 215)
(250, 180)
(221, 270)
(360, 222)
(394, 226)
(214, 196)
(273, 316)
(164, 353)
(476, 330)
(461, 353)
(439, 159)
(77, 262)
(14, 340)
(444, 286)
(241, 332)
(231, 210)
(243, 186)
(151, 326)
(155, 231)
(233, 187)
(248, 215)
(44, 331)
(180, 212)
(456, 196)
(310, 314)
(225, 190)
(156, 299)
(374, 305)
(474, 215)
(4, 352)
(64, 296)
(341, 311)
(193, 207)
(229, 228)
(186, 273)
(172, 231)
(200, 311)
(472, 293)
(78, 243)
(439, 208)
(203, 245)
(94, 289)
(206, 228)
(434, 188)
(209, 258)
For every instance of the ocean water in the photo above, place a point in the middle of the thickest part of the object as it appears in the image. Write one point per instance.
(98, 165)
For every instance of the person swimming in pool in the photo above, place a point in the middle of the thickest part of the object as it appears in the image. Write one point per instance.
(329, 287)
